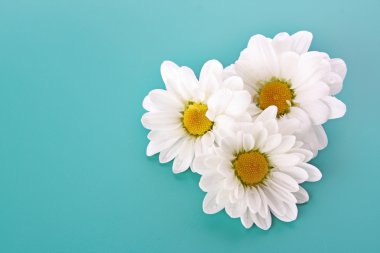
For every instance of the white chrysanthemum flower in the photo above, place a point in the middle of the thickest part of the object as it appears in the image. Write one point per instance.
(188, 117)
(256, 172)
(302, 84)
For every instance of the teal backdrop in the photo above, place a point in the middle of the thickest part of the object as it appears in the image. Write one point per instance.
(74, 177)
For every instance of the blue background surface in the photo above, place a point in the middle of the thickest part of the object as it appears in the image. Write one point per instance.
(73, 172)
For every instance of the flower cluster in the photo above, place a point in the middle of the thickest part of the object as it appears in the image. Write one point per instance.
(251, 129)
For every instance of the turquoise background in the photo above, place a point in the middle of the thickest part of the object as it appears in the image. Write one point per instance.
(73, 172)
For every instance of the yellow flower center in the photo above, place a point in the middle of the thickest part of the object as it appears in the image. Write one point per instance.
(278, 93)
(251, 167)
(194, 119)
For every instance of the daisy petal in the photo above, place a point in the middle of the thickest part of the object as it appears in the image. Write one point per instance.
(155, 147)
(253, 200)
(337, 107)
(301, 41)
(301, 195)
(185, 157)
(171, 152)
(161, 120)
(237, 209)
(300, 175)
(262, 222)
(317, 111)
(289, 64)
(271, 143)
(291, 212)
(210, 68)
(246, 219)
(169, 70)
(286, 144)
(284, 160)
(233, 83)
(269, 113)
(164, 101)
(210, 182)
(285, 181)
(209, 204)
(335, 80)
(273, 201)
(238, 104)
(312, 171)
(248, 142)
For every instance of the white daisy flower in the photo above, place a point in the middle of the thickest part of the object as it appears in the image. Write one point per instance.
(256, 172)
(188, 117)
(302, 84)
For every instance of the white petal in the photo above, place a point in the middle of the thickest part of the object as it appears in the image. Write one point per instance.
(164, 101)
(246, 220)
(200, 165)
(301, 41)
(248, 142)
(209, 204)
(155, 147)
(261, 138)
(189, 82)
(218, 102)
(169, 70)
(339, 67)
(312, 171)
(269, 113)
(274, 203)
(239, 192)
(264, 58)
(317, 111)
(245, 69)
(263, 210)
(209, 85)
(337, 107)
(271, 126)
(288, 126)
(223, 197)
(287, 142)
(302, 117)
(301, 195)
(211, 182)
(160, 135)
(185, 157)
(321, 136)
(236, 209)
(271, 143)
(281, 42)
(210, 68)
(336, 77)
(316, 91)
(262, 222)
(253, 199)
(289, 64)
(238, 104)
(208, 140)
(281, 192)
(306, 153)
(300, 175)
(225, 169)
(148, 105)
(284, 181)
(284, 160)
(312, 67)
(234, 83)
(291, 212)
(231, 182)
(171, 152)
(161, 120)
